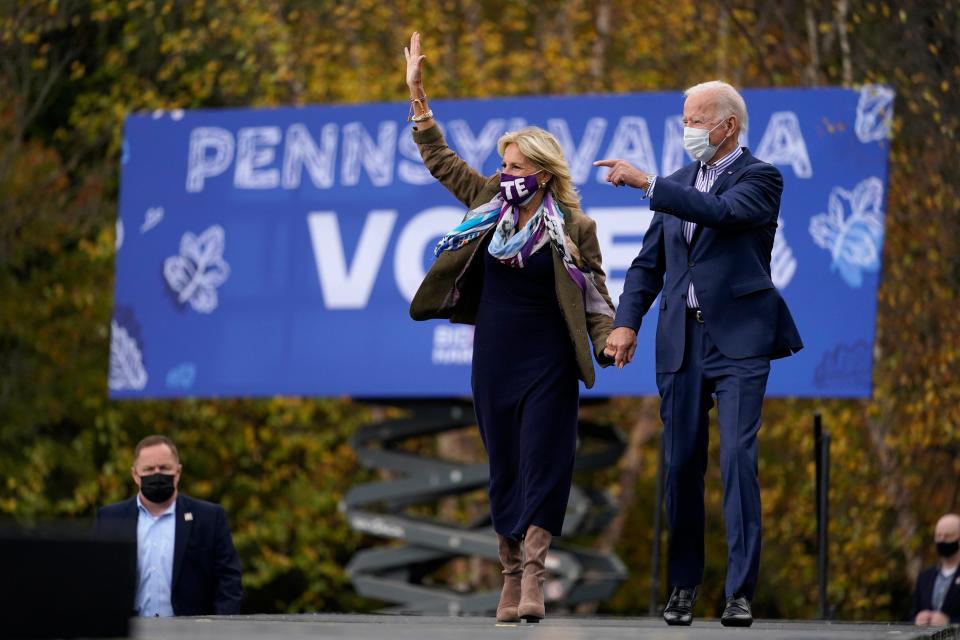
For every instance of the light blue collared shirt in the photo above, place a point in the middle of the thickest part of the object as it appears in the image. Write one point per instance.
(155, 538)
(940, 587)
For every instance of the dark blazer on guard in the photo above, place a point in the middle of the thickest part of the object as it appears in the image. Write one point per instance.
(206, 568)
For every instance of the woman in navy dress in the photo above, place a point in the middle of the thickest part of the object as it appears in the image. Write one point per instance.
(524, 267)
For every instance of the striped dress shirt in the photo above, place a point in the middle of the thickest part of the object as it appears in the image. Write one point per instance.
(707, 175)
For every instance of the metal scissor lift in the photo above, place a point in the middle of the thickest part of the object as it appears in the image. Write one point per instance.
(392, 573)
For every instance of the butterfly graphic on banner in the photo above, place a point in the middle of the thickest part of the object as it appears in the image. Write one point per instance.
(182, 376)
(852, 229)
(195, 274)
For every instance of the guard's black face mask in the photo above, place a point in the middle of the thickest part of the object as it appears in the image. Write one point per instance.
(157, 487)
(947, 549)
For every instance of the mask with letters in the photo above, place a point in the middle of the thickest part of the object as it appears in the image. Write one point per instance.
(518, 190)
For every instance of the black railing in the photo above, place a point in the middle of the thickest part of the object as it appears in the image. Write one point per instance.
(821, 457)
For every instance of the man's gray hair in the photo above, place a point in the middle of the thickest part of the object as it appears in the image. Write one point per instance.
(728, 100)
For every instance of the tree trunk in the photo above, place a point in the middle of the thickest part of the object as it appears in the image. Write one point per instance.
(723, 42)
(892, 485)
(598, 55)
(840, 17)
(813, 62)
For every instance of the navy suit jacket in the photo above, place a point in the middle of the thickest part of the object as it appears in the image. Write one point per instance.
(923, 595)
(728, 261)
(206, 568)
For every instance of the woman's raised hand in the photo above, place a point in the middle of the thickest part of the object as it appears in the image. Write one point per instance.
(414, 66)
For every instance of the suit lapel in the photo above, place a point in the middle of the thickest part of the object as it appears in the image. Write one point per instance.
(132, 517)
(182, 527)
(686, 176)
(673, 226)
(690, 178)
(721, 183)
(696, 234)
(953, 592)
(738, 165)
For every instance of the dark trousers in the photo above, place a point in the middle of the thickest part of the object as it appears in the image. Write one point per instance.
(686, 399)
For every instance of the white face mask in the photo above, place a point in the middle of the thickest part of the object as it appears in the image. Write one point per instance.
(697, 143)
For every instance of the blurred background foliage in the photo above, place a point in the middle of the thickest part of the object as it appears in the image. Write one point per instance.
(70, 71)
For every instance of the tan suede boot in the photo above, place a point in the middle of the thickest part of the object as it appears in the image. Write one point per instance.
(512, 564)
(535, 546)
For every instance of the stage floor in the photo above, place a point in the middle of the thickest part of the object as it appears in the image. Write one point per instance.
(389, 627)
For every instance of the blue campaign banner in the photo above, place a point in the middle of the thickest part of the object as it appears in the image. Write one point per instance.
(275, 251)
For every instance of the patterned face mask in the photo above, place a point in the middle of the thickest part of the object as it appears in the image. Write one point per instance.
(517, 190)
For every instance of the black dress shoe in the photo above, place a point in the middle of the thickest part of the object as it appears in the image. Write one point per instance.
(737, 612)
(679, 609)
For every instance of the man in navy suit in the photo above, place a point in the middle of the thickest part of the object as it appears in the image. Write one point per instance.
(186, 562)
(936, 600)
(707, 253)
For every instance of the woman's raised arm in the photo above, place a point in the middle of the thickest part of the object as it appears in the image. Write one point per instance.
(419, 111)
(457, 176)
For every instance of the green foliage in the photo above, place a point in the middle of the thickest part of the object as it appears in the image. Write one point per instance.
(70, 70)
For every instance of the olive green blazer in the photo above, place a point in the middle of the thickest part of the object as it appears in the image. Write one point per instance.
(451, 288)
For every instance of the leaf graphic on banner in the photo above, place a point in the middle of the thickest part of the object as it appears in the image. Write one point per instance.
(195, 274)
(182, 376)
(152, 218)
(874, 113)
(126, 362)
(853, 240)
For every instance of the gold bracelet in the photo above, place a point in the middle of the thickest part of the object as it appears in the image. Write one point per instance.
(410, 114)
(423, 116)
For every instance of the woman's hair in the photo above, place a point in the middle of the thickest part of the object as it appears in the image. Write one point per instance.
(543, 150)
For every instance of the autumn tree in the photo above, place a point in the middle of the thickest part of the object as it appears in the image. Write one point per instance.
(71, 70)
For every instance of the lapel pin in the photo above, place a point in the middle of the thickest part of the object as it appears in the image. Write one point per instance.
(188, 517)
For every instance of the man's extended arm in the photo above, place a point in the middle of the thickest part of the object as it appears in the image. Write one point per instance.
(753, 202)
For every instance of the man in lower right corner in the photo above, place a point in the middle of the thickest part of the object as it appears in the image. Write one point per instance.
(707, 254)
(936, 599)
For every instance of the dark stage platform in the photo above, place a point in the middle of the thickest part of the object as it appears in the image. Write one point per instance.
(388, 627)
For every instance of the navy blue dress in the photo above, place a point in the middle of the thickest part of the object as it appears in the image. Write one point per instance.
(526, 394)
